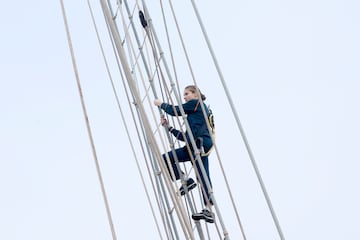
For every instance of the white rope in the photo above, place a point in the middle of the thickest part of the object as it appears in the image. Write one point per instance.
(138, 134)
(146, 90)
(146, 130)
(178, 203)
(125, 124)
(224, 230)
(251, 155)
(156, 59)
(187, 172)
(205, 116)
(130, 140)
(133, 89)
(198, 156)
(113, 233)
(161, 76)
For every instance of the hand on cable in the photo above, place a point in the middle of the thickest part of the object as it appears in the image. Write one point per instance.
(165, 124)
(157, 102)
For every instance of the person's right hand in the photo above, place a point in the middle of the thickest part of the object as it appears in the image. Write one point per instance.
(157, 102)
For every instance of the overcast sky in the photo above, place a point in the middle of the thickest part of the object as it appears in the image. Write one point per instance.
(292, 69)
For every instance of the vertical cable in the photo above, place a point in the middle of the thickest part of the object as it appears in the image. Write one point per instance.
(88, 124)
(251, 155)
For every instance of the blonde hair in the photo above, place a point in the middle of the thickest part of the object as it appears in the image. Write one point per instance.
(194, 89)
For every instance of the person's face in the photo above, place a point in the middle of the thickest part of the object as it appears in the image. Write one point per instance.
(189, 95)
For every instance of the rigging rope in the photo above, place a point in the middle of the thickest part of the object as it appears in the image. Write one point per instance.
(183, 115)
(195, 83)
(153, 158)
(251, 155)
(135, 93)
(225, 232)
(107, 206)
(154, 167)
(124, 120)
(140, 49)
(150, 77)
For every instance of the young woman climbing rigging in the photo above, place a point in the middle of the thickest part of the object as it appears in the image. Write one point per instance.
(202, 137)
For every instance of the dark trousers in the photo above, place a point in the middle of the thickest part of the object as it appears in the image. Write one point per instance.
(183, 156)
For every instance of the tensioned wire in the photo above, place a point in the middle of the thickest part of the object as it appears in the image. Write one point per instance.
(177, 117)
(205, 116)
(129, 101)
(98, 168)
(178, 88)
(158, 71)
(225, 232)
(89, 128)
(112, 83)
(140, 72)
(106, 202)
(240, 127)
(156, 59)
(125, 122)
(195, 83)
(157, 62)
(143, 84)
(131, 85)
(118, 101)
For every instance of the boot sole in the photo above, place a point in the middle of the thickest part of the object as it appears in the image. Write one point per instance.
(190, 187)
(203, 217)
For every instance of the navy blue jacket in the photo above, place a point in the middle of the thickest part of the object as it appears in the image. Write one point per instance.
(195, 118)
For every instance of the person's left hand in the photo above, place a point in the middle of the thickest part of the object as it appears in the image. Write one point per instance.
(164, 122)
(157, 102)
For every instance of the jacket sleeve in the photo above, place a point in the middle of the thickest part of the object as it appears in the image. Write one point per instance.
(177, 134)
(175, 110)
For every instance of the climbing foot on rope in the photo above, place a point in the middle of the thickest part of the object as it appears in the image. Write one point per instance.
(190, 184)
(204, 214)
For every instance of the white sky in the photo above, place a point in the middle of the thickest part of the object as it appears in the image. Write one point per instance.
(292, 69)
